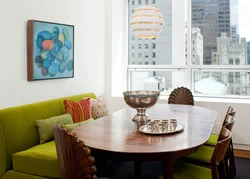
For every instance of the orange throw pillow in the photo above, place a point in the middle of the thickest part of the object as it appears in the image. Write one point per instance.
(80, 111)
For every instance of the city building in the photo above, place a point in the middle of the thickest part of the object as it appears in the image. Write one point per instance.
(248, 53)
(213, 18)
(197, 46)
(232, 54)
(234, 34)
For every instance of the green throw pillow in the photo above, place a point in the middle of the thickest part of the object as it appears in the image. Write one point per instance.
(46, 126)
(70, 127)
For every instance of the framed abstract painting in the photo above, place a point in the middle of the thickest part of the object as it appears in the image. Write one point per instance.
(50, 50)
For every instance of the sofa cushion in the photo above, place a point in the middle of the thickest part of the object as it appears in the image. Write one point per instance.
(99, 107)
(45, 126)
(11, 174)
(80, 111)
(39, 160)
(70, 127)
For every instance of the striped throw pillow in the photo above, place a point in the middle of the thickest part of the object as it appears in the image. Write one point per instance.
(80, 111)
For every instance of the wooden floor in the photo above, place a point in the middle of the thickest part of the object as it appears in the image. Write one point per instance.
(242, 153)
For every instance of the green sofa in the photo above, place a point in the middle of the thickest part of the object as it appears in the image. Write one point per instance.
(21, 154)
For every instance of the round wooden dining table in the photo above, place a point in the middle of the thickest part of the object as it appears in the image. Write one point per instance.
(118, 137)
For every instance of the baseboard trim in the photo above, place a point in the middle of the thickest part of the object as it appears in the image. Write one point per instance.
(242, 153)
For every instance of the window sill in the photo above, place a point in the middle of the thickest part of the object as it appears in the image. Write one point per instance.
(214, 100)
(164, 98)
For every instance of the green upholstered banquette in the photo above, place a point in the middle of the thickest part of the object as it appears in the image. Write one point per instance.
(21, 154)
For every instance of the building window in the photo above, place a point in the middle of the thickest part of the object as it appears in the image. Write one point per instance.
(153, 55)
(139, 46)
(133, 2)
(237, 62)
(146, 46)
(153, 1)
(133, 46)
(153, 46)
(146, 1)
(139, 2)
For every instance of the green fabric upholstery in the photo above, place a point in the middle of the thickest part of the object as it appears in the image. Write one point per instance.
(189, 171)
(11, 174)
(212, 139)
(18, 131)
(45, 126)
(70, 127)
(204, 154)
(39, 160)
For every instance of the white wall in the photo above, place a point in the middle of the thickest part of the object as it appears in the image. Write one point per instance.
(88, 17)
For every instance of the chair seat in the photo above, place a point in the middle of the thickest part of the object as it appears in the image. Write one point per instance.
(212, 139)
(204, 154)
(184, 170)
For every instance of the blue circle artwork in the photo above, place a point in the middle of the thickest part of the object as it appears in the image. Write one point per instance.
(53, 51)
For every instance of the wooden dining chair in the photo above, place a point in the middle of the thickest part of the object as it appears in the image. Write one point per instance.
(75, 160)
(181, 95)
(183, 170)
(203, 156)
(214, 137)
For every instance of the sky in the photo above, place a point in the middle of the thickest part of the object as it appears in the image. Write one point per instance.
(244, 18)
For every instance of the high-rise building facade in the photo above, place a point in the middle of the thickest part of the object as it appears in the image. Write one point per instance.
(197, 46)
(213, 18)
(234, 34)
(248, 53)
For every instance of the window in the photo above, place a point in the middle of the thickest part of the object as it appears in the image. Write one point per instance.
(204, 53)
(139, 2)
(153, 55)
(153, 46)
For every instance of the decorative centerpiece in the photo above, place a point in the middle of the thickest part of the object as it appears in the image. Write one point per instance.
(141, 100)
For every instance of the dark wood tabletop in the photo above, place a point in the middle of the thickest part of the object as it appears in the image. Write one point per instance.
(119, 137)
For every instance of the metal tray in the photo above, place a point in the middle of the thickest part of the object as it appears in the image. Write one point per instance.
(143, 129)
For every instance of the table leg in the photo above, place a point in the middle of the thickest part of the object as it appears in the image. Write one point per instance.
(137, 170)
(168, 169)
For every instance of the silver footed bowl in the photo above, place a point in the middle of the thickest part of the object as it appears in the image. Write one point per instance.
(141, 100)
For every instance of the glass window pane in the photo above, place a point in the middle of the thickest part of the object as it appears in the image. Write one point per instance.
(169, 46)
(222, 83)
(219, 28)
(163, 81)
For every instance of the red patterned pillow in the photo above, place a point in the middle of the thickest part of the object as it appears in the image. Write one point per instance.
(99, 107)
(80, 111)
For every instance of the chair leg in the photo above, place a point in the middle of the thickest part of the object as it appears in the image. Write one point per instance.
(232, 156)
(222, 170)
(229, 163)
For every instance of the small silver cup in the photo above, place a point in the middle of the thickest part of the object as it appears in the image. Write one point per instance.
(173, 124)
(150, 127)
(161, 127)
